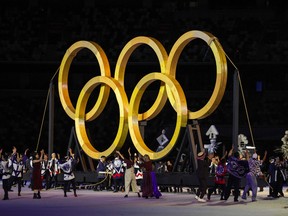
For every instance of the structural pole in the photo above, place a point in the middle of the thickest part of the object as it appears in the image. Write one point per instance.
(235, 110)
(51, 119)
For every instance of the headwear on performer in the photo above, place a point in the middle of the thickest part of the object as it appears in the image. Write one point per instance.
(201, 155)
(271, 159)
(254, 156)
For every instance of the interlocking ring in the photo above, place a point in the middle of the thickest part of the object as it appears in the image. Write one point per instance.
(63, 79)
(80, 116)
(221, 69)
(180, 106)
(162, 57)
(170, 88)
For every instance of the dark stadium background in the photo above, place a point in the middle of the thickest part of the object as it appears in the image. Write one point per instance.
(35, 34)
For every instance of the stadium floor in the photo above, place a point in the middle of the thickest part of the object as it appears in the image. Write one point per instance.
(103, 203)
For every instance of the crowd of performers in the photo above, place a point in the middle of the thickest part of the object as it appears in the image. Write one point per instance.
(119, 174)
(229, 171)
(43, 172)
(136, 173)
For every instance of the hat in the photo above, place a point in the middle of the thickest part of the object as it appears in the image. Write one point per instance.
(271, 159)
(201, 155)
(254, 156)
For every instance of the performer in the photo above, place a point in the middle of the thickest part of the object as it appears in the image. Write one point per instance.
(276, 177)
(25, 159)
(149, 186)
(101, 174)
(45, 175)
(202, 174)
(130, 179)
(14, 153)
(29, 167)
(116, 166)
(220, 182)
(262, 167)
(69, 177)
(213, 165)
(5, 166)
(271, 177)
(13, 157)
(251, 177)
(138, 171)
(36, 174)
(236, 170)
(17, 171)
(53, 166)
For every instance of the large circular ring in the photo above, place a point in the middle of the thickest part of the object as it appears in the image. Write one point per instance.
(221, 70)
(180, 107)
(80, 116)
(162, 58)
(63, 79)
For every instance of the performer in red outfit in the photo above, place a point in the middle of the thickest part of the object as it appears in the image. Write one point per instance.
(219, 180)
(36, 174)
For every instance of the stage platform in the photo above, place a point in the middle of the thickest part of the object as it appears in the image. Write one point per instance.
(104, 203)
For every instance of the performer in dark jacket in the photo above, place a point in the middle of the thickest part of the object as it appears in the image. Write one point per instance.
(202, 175)
(236, 170)
(102, 175)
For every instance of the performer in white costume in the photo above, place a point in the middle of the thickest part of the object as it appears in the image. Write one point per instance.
(69, 176)
(5, 165)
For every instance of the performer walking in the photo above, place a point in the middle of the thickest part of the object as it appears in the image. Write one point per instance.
(219, 180)
(138, 171)
(251, 177)
(5, 166)
(45, 171)
(69, 177)
(36, 174)
(149, 186)
(53, 170)
(116, 166)
(236, 169)
(102, 179)
(129, 177)
(17, 171)
(202, 174)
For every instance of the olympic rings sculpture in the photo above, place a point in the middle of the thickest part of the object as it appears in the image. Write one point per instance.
(129, 110)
